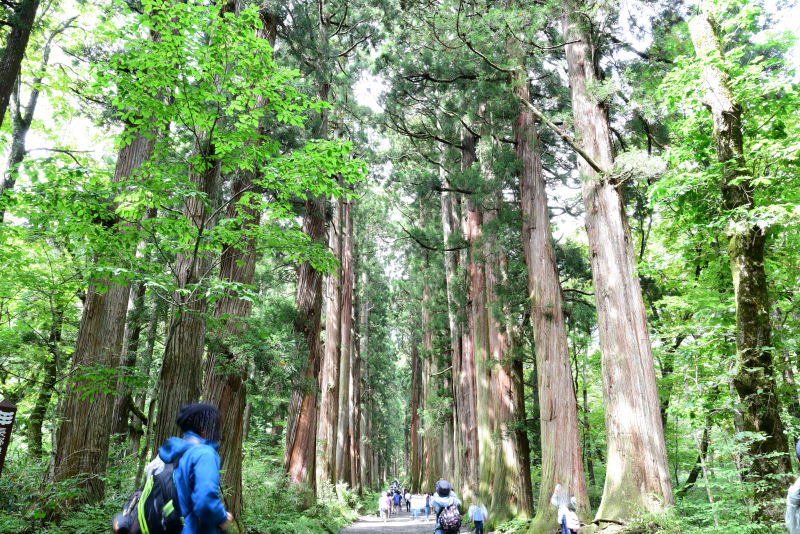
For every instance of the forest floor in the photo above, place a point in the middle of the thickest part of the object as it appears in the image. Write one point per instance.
(402, 523)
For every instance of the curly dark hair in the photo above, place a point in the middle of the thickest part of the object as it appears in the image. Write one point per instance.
(202, 419)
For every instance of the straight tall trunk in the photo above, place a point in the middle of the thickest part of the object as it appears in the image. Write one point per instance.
(448, 462)
(85, 429)
(466, 388)
(182, 365)
(432, 440)
(416, 436)
(299, 454)
(522, 444)
(354, 407)
(771, 466)
(329, 373)
(364, 469)
(483, 371)
(510, 495)
(346, 316)
(225, 369)
(449, 226)
(22, 19)
(562, 461)
(248, 408)
(637, 472)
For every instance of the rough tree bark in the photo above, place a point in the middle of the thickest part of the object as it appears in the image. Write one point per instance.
(354, 409)
(301, 427)
(182, 368)
(156, 315)
(329, 372)
(346, 316)
(637, 474)
(225, 370)
(416, 436)
(85, 429)
(754, 382)
(483, 375)
(182, 365)
(562, 462)
(432, 437)
(508, 495)
(364, 468)
(299, 455)
(465, 388)
(449, 222)
(123, 402)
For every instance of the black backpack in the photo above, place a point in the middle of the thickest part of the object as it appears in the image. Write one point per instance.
(154, 509)
(450, 519)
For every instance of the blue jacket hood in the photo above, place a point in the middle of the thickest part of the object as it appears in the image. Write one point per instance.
(175, 446)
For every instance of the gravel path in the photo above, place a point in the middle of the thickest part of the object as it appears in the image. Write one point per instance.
(403, 523)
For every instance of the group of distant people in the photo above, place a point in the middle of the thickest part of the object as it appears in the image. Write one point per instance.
(444, 502)
(394, 500)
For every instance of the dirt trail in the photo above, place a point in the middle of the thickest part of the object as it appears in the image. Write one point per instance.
(402, 523)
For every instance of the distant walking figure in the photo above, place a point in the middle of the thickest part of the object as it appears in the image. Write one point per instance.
(408, 501)
(397, 503)
(478, 515)
(446, 504)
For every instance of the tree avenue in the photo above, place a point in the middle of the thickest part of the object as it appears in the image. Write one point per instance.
(546, 251)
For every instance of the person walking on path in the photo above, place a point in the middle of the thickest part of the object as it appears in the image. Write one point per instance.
(397, 503)
(442, 501)
(427, 506)
(417, 504)
(408, 501)
(478, 515)
(385, 506)
(197, 476)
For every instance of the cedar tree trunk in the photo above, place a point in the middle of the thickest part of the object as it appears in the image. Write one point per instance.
(637, 473)
(301, 427)
(329, 373)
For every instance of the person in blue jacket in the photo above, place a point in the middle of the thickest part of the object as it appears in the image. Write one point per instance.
(197, 475)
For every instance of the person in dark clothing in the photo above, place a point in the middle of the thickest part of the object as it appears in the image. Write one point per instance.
(396, 500)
